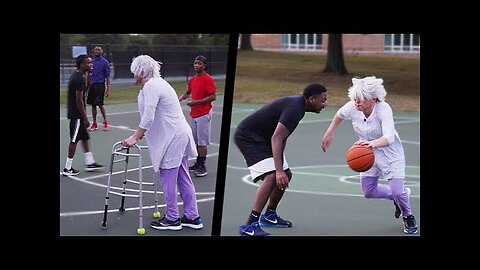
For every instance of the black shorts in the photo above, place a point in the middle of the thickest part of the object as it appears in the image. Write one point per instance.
(78, 131)
(254, 148)
(258, 154)
(96, 94)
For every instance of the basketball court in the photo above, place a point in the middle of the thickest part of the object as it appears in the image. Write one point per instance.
(324, 197)
(82, 197)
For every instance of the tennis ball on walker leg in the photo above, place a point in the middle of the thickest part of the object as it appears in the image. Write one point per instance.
(156, 215)
(141, 231)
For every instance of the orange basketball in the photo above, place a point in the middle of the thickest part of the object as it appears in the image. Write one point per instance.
(360, 158)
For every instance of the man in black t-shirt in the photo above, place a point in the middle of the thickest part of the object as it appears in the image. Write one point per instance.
(78, 117)
(262, 137)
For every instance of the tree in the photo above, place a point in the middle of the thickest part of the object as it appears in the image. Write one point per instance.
(214, 39)
(175, 39)
(103, 39)
(335, 62)
(245, 42)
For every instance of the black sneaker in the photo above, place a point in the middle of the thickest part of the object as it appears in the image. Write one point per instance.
(193, 167)
(93, 167)
(410, 225)
(201, 171)
(70, 172)
(192, 223)
(165, 224)
(398, 211)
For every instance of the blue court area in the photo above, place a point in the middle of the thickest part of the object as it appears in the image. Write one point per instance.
(324, 197)
(82, 197)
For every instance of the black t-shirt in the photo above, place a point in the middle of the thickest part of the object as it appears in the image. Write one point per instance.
(76, 83)
(286, 110)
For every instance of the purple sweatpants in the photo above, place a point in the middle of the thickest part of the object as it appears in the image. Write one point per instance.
(394, 191)
(170, 179)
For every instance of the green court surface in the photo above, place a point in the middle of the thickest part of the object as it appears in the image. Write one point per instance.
(324, 197)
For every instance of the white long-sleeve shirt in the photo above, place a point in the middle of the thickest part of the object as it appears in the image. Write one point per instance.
(389, 159)
(169, 137)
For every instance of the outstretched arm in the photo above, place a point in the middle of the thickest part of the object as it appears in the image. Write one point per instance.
(327, 138)
(185, 95)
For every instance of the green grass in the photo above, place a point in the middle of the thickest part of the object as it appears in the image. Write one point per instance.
(128, 93)
(262, 76)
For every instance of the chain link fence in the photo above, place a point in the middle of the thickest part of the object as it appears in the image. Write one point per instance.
(177, 60)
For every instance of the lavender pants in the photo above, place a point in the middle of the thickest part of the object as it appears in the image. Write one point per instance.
(179, 177)
(394, 191)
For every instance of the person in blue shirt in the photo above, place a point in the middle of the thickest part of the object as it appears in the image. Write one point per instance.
(99, 87)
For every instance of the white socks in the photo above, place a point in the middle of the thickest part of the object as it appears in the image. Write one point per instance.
(68, 163)
(89, 158)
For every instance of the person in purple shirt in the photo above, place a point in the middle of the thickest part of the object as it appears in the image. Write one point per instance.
(99, 77)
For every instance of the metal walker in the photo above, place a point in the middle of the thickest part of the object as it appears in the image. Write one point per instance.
(118, 149)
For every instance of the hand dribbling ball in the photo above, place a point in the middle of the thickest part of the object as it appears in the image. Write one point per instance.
(360, 158)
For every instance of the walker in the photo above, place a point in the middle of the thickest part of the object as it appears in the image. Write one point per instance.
(119, 149)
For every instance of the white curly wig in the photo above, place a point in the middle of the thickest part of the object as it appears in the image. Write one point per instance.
(367, 88)
(145, 66)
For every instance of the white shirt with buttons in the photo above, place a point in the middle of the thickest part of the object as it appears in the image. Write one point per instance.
(389, 160)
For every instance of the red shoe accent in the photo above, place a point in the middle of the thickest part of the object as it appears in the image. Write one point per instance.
(93, 127)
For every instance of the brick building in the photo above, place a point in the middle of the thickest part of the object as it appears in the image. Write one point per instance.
(352, 43)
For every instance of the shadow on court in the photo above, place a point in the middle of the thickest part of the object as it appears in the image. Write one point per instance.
(82, 197)
(324, 197)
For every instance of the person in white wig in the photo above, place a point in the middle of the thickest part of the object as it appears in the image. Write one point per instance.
(372, 120)
(170, 143)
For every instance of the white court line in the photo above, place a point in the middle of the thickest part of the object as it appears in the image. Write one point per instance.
(242, 110)
(409, 120)
(130, 112)
(415, 120)
(329, 120)
(409, 142)
(83, 213)
(247, 179)
(407, 183)
(113, 113)
(87, 181)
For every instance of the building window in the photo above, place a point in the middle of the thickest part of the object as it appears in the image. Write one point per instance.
(402, 42)
(302, 42)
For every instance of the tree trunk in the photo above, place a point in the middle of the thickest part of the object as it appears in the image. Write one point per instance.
(335, 63)
(245, 43)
